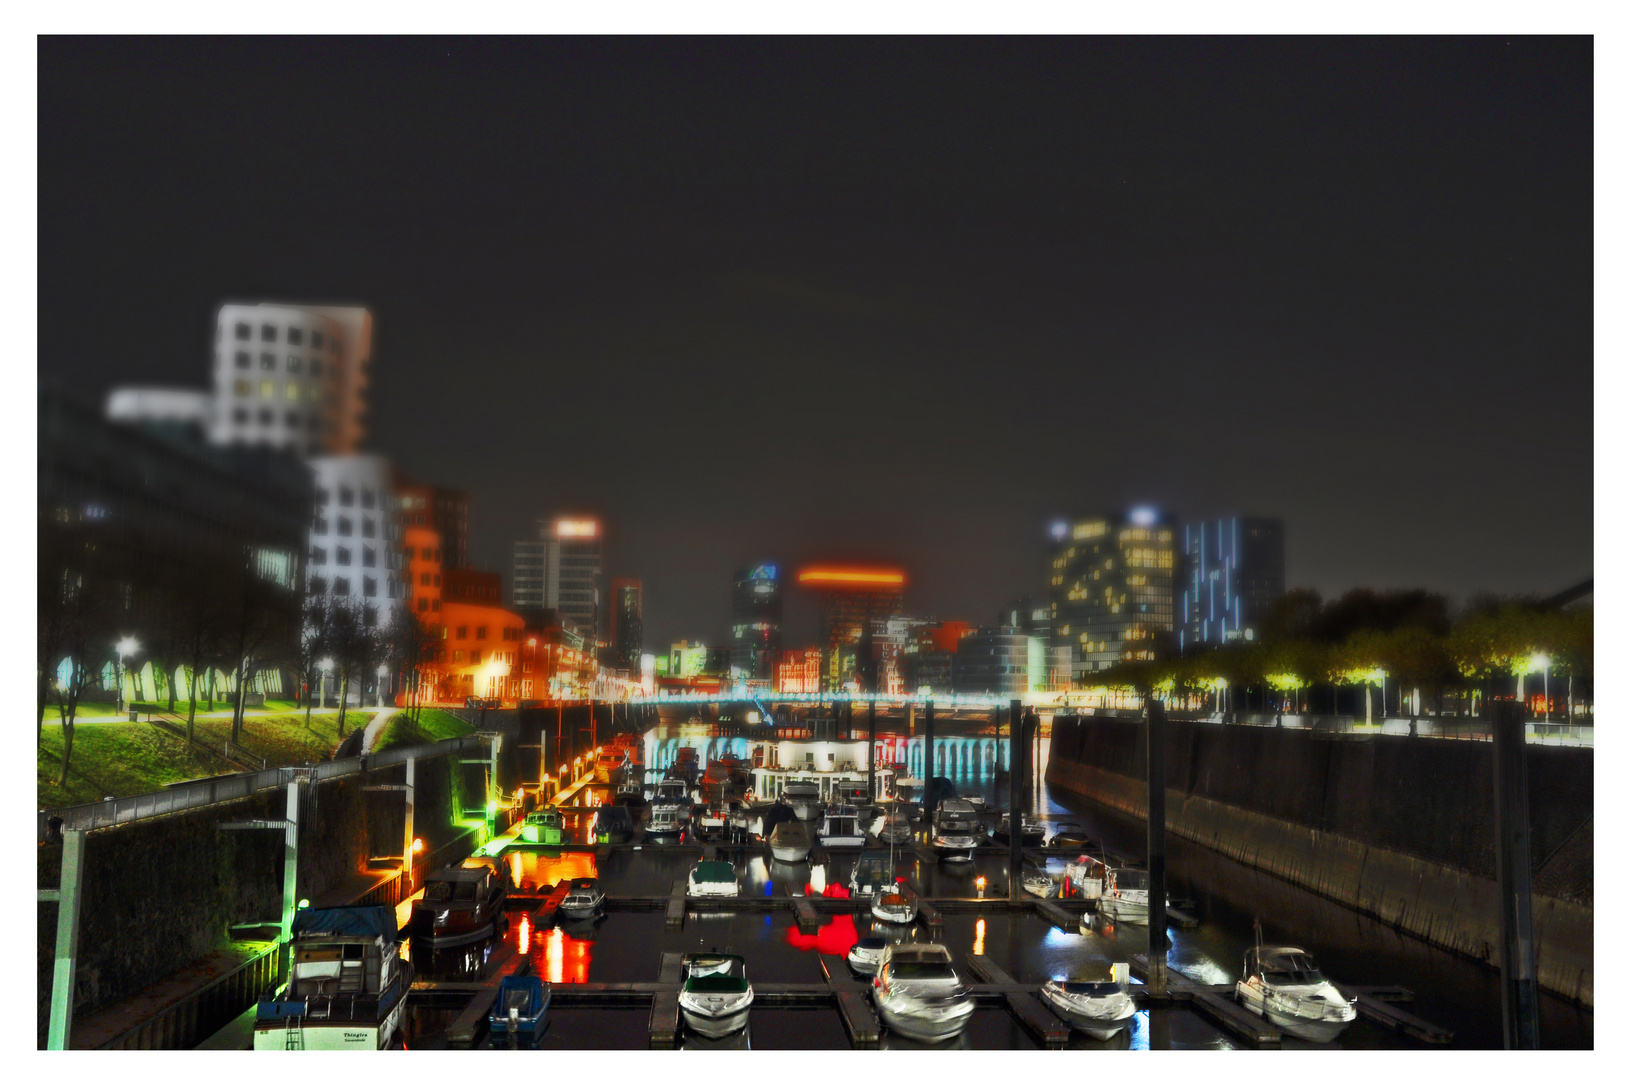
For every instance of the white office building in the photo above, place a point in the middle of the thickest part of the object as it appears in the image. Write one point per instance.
(562, 570)
(355, 538)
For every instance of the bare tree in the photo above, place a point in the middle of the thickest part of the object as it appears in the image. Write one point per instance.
(315, 643)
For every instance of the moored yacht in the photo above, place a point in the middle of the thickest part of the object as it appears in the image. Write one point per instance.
(612, 825)
(955, 829)
(713, 877)
(348, 987)
(460, 904)
(1040, 884)
(1032, 831)
(840, 828)
(1124, 896)
(919, 994)
(803, 797)
(892, 904)
(544, 826)
(872, 873)
(789, 841)
(1283, 985)
(865, 955)
(895, 828)
(713, 1002)
(584, 900)
(1096, 1003)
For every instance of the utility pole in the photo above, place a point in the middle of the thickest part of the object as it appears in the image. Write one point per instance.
(1157, 918)
(1520, 1011)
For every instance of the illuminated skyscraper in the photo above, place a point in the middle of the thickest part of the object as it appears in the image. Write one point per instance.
(758, 611)
(626, 622)
(1112, 588)
(849, 597)
(1234, 570)
(560, 570)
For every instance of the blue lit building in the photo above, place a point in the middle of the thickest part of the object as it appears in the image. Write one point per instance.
(1234, 570)
(758, 611)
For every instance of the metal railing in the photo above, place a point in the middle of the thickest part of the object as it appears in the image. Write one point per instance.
(1431, 727)
(192, 1019)
(220, 789)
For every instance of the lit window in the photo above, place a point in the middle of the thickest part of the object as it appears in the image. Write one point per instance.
(240, 387)
(457, 656)
(291, 391)
(267, 388)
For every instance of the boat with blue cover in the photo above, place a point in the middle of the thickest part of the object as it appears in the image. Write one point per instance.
(520, 1012)
(348, 986)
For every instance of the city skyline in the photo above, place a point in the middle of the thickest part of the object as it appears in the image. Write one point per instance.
(920, 380)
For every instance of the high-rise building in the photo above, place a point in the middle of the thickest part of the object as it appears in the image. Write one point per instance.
(758, 611)
(445, 510)
(1112, 588)
(626, 623)
(355, 540)
(1234, 571)
(560, 570)
(993, 660)
(849, 597)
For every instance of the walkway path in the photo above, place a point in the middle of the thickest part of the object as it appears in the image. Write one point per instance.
(375, 728)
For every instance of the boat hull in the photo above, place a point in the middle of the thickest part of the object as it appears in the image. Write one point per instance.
(1099, 1018)
(315, 1035)
(1310, 1029)
(954, 852)
(789, 852)
(921, 1028)
(1128, 912)
(716, 1026)
(841, 841)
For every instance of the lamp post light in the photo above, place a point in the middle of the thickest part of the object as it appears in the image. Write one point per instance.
(383, 671)
(1543, 661)
(325, 666)
(127, 646)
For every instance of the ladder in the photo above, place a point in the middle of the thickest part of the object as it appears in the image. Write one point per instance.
(294, 1034)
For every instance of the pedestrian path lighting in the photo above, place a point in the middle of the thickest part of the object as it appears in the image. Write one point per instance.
(127, 646)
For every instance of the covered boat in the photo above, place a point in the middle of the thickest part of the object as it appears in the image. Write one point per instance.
(1124, 895)
(789, 841)
(520, 1012)
(1086, 876)
(461, 904)
(545, 826)
(612, 825)
(716, 998)
(1283, 985)
(348, 987)
(872, 873)
(1096, 1002)
(584, 900)
(919, 994)
(713, 877)
(865, 955)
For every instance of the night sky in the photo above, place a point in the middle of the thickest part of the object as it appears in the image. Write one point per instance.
(903, 300)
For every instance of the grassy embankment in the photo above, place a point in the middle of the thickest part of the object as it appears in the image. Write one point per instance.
(432, 726)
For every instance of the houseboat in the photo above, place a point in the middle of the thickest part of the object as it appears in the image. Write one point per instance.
(461, 904)
(348, 987)
(545, 826)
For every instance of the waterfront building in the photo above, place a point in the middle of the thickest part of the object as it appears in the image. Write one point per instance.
(425, 566)
(798, 671)
(758, 611)
(481, 652)
(993, 660)
(927, 663)
(1234, 571)
(355, 538)
(626, 623)
(445, 510)
(849, 597)
(1112, 588)
(560, 570)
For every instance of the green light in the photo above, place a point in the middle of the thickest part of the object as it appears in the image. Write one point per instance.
(304, 903)
(491, 808)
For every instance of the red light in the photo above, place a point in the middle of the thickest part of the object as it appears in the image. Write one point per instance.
(902, 880)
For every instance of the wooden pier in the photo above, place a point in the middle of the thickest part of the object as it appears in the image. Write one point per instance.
(663, 1011)
(1044, 1025)
(852, 1000)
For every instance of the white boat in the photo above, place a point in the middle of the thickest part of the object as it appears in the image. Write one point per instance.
(893, 905)
(715, 1003)
(1283, 985)
(803, 797)
(349, 984)
(1124, 896)
(840, 828)
(955, 830)
(712, 820)
(865, 955)
(1098, 1004)
(1040, 884)
(895, 828)
(584, 900)
(713, 877)
(919, 994)
(1032, 831)
(789, 841)
(1087, 876)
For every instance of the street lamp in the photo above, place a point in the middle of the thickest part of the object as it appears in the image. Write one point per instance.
(325, 666)
(1543, 661)
(127, 646)
(383, 670)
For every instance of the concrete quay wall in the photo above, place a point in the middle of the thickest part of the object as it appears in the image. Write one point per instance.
(1400, 832)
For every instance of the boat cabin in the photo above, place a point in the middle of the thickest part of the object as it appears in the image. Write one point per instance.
(1281, 966)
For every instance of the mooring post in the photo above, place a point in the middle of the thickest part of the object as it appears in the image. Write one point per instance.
(1019, 758)
(1520, 1029)
(1157, 916)
(411, 780)
(67, 939)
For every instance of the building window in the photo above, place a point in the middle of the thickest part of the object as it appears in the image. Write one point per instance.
(316, 339)
(344, 526)
(367, 528)
(293, 364)
(369, 557)
(295, 335)
(434, 605)
(341, 556)
(423, 579)
(462, 633)
(239, 416)
(346, 496)
(268, 332)
(423, 605)
(318, 585)
(318, 556)
(437, 579)
(316, 365)
(240, 388)
(320, 528)
(474, 656)
(369, 586)
(479, 633)
(267, 388)
(322, 496)
(265, 416)
(243, 360)
(457, 656)
(367, 501)
(341, 586)
(244, 332)
(291, 392)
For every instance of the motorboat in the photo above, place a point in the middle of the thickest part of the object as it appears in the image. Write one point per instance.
(584, 900)
(726, 777)
(1097, 1003)
(612, 825)
(853, 792)
(1086, 877)
(1040, 884)
(461, 904)
(1032, 831)
(865, 955)
(919, 994)
(696, 965)
(1069, 835)
(348, 986)
(892, 904)
(1124, 896)
(840, 828)
(716, 1003)
(713, 877)
(669, 813)
(739, 819)
(544, 826)
(686, 766)
(872, 873)
(955, 830)
(520, 1012)
(674, 790)
(611, 766)
(895, 828)
(1283, 985)
(789, 841)
(630, 794)
(803, 797)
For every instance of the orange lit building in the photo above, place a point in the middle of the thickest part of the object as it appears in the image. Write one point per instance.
(796, 671)
(424, 562)
(480, 652)
(849, 597)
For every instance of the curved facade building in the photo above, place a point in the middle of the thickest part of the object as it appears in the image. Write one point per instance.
(290, 377)
(355, 540)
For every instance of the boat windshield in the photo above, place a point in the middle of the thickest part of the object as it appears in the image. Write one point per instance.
(1302, 977)
(922, 969)
(1132, 879)
(517, 999)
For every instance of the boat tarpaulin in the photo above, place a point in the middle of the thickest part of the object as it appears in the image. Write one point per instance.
(362, 920)
(713, 871)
